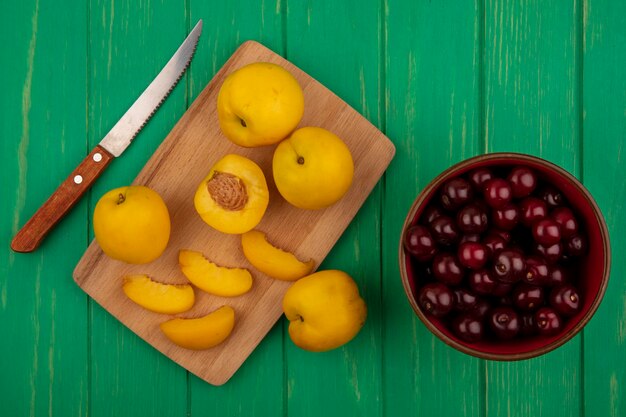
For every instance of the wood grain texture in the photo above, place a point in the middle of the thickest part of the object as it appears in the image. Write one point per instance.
(176, 168)
(604, 164)
(433, 114)
(531, 105)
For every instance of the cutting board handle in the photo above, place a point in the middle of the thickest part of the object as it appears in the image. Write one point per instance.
(61, 201)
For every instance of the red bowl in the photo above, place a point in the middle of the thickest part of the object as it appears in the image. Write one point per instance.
(593, 274)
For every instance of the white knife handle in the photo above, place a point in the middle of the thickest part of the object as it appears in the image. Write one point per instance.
(61, 201)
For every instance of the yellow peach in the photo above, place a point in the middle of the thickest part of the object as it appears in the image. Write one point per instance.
(214, 279)
(271, 260)
(233, 196)
(158, 297)
(201, 333)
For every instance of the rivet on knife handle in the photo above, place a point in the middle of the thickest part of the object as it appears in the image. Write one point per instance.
(63, 199)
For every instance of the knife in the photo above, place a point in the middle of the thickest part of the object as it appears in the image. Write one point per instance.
(111, 146)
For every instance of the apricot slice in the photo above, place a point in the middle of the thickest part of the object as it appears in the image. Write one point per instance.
(158, 297)
(201, 333)
(214, 279)
(233, 196)
(271, 260)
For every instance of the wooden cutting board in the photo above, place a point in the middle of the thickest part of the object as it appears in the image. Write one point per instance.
(175, 170)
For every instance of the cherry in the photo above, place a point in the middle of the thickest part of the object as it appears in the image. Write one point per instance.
(444, 231)
(464, 300)
(430, 214)
(498, 193)
(546, 232)
(419, 243)
(482, 282)
(470, 237)
(527, 324)
(565, 300)
(436, 299)
(576, 245)
(455, 193)
(472, 219)
(494, 242)
(504, 322)
(531, 210)
(504, 234)
(502, 289)
(551, 196)
(472, 255)
(547, 321)
(468, 327)
(566, 220)
(447, 269)
(537, 271)
(480, 309)
(527, 297)
(479, 177)
(506, 218)
(523, 181)
(558, 275)
(509, 266)
(552, 253)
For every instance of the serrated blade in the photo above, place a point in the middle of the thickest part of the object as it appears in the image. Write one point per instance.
(136, 117)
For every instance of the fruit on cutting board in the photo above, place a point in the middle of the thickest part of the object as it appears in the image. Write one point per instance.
(132, 224)
(325, 310)
(313, 168)
(271, 260)
(214, 279)
(201, 333)
(259, 104)
(158, 297)
(233, 196)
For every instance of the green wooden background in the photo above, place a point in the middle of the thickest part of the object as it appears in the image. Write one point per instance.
(445, 80)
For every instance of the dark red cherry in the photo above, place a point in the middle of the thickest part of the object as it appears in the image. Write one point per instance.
(498, 193)
(470, 237)
(455, 193)
(547, 321)
(479, 177)
(566, 220)
(537, 271)
(576, 245)
(502, 289)
(527, 297)
(444, 231)
(551, 196)
(464, 300)
(558, 275)
(531, 210)
(565, 300)
(505, 218)
(552, 253)
(419, 243)
(509, 266)
(480, 308)
(436, 299)
(504, 322)
(447, 269)
(431, 213)
(504, 234)
(527, 324)
(472, 219)
(494, 242)
(482, 282)
(523, 181)
(472, 255)
(468, 327)
(546, 232)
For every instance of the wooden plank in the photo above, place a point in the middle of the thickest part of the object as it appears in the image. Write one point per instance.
(257, 389)
(129, 43)
(175, 170)
(604, 145)
(42, 124)
(532, 106)
(320, 38)
(433, 115)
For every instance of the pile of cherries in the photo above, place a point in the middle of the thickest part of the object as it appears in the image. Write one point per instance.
(493, 254)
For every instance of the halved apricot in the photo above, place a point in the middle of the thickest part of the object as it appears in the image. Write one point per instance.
(271, 260)
(233, 196)
(214, 279)
(158, 297)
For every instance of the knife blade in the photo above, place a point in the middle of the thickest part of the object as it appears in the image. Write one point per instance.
(111, 146)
